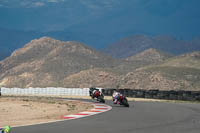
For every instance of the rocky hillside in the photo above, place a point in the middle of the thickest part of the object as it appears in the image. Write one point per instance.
(130, 46)
(150, 56)
(177, 73)
(92, 77)
(47, 62)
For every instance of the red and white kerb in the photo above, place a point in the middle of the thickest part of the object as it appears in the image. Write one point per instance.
(98, 108)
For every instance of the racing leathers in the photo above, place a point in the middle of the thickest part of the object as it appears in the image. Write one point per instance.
(92, 92)
(115, 97)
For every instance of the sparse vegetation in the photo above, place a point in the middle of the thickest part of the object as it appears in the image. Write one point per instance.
(48, 62)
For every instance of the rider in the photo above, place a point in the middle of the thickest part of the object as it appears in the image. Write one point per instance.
(92, 92)
(115, 96)
(5, 129)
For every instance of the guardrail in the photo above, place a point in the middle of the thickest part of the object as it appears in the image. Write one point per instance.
(157, 94)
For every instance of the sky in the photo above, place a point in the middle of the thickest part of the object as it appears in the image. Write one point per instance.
(108, 20)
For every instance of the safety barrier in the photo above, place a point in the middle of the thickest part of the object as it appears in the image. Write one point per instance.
(46, 91)
(157, 94)
(136, 93)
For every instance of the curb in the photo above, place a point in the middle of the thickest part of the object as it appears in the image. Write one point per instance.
(98, 108)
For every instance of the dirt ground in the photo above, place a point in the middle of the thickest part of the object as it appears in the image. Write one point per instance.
(17, 111)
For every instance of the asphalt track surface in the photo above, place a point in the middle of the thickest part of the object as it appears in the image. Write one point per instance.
(141, 117)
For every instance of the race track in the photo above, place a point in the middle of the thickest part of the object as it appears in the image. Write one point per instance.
(141, 117)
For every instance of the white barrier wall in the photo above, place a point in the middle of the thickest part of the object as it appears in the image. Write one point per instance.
(46, 91)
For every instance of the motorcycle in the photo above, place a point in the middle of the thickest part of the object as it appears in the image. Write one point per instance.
(98, 95)
(123, 101)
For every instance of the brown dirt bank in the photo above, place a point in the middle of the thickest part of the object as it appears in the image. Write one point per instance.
(32, 110)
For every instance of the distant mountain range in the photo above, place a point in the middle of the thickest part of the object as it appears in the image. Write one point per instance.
(135, 44)
(48, 62)
(129, 46)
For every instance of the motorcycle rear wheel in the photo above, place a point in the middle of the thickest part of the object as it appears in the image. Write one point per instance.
(101, 99)
(125, 103)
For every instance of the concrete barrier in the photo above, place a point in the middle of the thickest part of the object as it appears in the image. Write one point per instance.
(46, 91)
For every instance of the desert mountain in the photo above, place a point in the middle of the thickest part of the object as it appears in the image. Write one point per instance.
(177, 73)
(130, 46)
(46, 62)
(92, 77)
(150, 56)
(189, 60)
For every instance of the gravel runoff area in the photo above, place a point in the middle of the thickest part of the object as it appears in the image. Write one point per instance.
(16, 111)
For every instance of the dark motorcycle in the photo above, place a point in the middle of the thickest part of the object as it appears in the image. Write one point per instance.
(123, 101)
(98, 95)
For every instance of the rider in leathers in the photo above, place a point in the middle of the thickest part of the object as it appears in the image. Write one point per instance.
(115, 97)
(92, 92)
